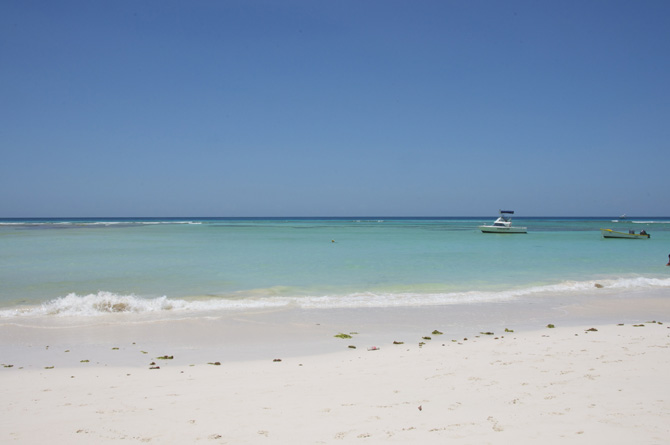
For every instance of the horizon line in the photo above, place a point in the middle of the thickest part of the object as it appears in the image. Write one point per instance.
(326, 216)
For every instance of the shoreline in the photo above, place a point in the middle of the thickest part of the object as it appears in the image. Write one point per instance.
(283, 376)
(580, 384)
(262, 334)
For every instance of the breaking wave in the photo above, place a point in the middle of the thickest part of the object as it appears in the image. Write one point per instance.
(103, 303)
(64, 224)
(650, 222)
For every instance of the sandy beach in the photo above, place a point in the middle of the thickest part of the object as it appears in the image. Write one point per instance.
(285, 377)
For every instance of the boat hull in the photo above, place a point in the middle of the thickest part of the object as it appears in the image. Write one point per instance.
(494, 229)
(609, 233)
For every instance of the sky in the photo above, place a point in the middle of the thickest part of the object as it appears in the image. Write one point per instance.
(334, 108)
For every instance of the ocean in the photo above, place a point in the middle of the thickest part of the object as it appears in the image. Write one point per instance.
(88, 267)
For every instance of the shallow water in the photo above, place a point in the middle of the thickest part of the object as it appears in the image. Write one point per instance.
(95, 266)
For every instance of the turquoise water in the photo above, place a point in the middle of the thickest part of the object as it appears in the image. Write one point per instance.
(90, 266)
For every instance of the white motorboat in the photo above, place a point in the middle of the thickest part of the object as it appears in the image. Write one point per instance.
(503, 224)
(609, 233)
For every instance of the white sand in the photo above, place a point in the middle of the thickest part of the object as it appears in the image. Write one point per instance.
(562, 385)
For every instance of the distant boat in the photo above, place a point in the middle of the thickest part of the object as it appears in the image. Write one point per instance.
(609, 233)
(503, 224)
(621, 218)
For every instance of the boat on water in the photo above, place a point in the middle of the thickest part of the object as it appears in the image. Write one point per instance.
(609, 233)
(503, 224)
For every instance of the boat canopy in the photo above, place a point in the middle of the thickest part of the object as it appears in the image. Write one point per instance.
(511, 212)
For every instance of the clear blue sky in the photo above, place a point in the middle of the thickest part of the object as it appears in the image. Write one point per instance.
(334, 108)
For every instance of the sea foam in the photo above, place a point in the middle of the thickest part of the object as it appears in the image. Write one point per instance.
(103, 303)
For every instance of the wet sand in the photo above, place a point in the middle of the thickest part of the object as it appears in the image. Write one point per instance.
(488, 374)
